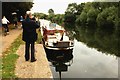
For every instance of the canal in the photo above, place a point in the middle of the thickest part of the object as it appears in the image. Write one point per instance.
(95, 55)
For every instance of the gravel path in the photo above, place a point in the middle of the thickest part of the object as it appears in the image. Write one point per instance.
(38, 69)
(7, 40)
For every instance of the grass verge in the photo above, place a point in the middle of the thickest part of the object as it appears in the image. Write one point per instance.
(9, 58)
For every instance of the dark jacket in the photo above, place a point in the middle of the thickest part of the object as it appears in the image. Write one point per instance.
(29, 30)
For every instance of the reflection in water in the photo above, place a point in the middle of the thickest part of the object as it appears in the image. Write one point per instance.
(106, 41)
(60, 59)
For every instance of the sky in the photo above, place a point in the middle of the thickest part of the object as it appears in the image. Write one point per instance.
(59, 6)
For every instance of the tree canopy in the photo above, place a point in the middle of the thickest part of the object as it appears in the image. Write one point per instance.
(51, 11)
(18, 7)
(95, 14)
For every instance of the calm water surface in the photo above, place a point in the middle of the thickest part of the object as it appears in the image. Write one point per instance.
(85, 61)
(89, 63)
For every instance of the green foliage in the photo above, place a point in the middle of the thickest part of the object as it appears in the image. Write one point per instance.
(83, 18)
(96, 5)
(72, 8)
(69, 20)
(59, 18)
(104, 5)
(41, 15)
(51, 11)
(70, 17)
(102, 14)
(51, 17)
(78, 22)
(55, 18)
(19, 7)
(107, 17)
(91, 16)
(117, 23)
(87, 6)
(80, 8)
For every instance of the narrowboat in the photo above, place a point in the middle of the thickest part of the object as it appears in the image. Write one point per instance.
(56, 38)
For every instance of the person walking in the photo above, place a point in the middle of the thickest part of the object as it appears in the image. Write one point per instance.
(21, 20)
(15, 22)
(5, 25)
(29, 36)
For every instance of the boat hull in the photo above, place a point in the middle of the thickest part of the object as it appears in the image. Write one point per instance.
(62, 47)
(59, 55)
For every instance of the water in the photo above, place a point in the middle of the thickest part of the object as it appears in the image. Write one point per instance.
(88, 58)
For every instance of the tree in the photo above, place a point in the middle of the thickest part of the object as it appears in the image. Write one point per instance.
(70, 15)
(72, 8)
(91, 16)
(80, 8)
(82, 18)
(96, 5)
(41, 15)
(19, 7)
(59, 18)
(69, 20)
(51, 11)
(87, 6)
(107, 18)
(51, 17)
